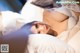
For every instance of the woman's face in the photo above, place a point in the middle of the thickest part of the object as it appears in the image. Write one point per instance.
(40, 28)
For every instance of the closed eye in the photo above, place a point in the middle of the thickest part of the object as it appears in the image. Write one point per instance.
(36, 25)
(39, 32)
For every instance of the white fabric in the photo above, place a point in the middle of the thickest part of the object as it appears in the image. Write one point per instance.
(74, 39)
(76, 28)
(71, 6)
(75, 42)
(43, 43)
(31, 13)
(37, 45)
(71, 21)
(8, 17)
(73, 14)
(65, 34)
(74, 36)
(63, 10)
(28, 14)
(10, 21)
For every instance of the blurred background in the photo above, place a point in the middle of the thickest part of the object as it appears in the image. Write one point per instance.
(12, 5)
(15, 5)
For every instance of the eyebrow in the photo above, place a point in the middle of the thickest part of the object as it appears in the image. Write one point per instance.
(36, 25)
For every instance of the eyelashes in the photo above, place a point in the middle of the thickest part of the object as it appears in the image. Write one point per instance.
(36, 25)
(39, 32)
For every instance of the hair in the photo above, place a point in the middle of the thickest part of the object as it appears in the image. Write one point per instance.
(79, 2)
(45, 3)
(23, 1)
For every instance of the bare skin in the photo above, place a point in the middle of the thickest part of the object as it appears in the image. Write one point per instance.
(54, 26)
(57, 25)
(40, 28)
